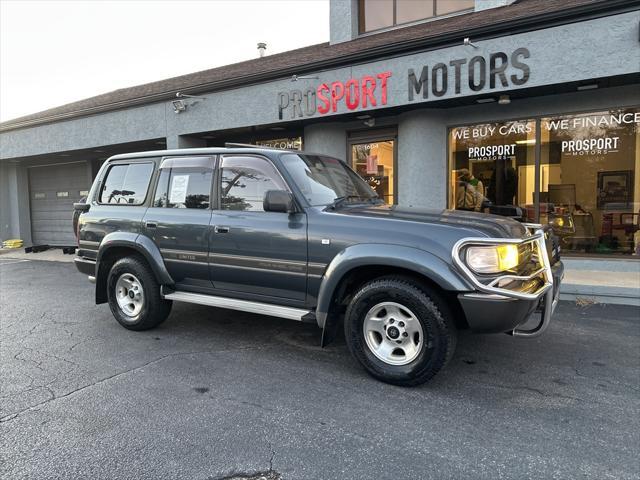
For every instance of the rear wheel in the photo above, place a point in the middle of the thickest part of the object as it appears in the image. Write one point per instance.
(134, 295)
(400, 331)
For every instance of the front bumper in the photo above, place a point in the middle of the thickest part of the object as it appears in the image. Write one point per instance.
(86, 266)
(491, 313)
(494, 307)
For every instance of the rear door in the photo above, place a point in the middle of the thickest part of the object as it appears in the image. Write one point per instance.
(178, 220)
(253, 252)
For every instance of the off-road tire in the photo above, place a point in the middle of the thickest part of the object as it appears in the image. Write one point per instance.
(431, 311)
(154, 310)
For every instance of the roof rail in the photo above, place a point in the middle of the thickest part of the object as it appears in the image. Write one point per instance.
(241, 145)
(249, 145)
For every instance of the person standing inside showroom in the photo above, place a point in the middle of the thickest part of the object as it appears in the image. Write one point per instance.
(470, 192)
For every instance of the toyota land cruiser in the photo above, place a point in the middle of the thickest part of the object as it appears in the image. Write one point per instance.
(303, 237)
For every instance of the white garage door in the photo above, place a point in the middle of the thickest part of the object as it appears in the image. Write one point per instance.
(53, 190)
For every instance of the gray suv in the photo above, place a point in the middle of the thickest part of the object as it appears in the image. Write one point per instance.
(303, 237)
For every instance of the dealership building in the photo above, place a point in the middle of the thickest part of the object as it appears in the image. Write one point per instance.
(534, 103)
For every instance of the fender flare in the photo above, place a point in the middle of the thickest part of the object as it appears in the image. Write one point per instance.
(409, 258)
(141, 244)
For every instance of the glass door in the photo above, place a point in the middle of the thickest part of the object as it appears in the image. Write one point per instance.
(374, 160)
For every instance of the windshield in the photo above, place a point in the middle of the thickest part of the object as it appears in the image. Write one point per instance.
(322, 180)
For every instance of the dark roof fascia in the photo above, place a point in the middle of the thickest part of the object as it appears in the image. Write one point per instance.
(518, 25)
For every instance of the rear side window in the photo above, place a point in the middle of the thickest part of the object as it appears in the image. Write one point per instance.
(126, 184)
(184, 183)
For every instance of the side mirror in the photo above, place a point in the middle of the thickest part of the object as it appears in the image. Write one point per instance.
(278, 201)
(81, 207)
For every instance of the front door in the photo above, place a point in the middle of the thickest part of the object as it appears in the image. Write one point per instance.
(178, 220)
(374, 160)
(253, 252)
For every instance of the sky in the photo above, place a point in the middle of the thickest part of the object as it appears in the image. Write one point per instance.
(55, 52)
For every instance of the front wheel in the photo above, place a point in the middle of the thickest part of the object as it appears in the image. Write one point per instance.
(399, 331)
(134, 295)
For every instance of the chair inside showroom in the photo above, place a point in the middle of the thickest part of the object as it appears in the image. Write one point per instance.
(629, 223)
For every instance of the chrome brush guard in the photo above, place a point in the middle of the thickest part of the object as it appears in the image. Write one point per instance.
(545, 293)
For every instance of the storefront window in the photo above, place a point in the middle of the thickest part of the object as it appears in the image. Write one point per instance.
(589, 188)
(492, 167)
(374, 162)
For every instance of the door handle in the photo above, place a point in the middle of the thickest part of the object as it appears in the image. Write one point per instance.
(151, 224)
(220, 229)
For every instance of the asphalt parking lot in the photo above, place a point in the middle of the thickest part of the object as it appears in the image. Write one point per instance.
(212, 393)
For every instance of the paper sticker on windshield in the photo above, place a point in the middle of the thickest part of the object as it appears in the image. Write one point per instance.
(179, 184)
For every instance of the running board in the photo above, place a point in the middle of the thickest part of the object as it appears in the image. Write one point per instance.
(260, 308)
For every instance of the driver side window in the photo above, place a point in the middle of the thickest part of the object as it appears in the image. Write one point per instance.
(244, 181)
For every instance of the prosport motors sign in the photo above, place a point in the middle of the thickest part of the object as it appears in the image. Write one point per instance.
(457, 77)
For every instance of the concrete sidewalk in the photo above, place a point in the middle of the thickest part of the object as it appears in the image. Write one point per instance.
(51, 255)
(585, 280)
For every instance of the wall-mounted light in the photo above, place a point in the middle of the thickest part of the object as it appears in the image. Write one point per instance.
(178, 106)
(184, 95)
(370, 122)
(468, 43)
(295, 78)
(504, 100)
(485, 100)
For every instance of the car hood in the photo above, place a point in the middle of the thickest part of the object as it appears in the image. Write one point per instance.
(484, 224)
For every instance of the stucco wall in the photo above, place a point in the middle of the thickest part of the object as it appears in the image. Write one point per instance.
(121, 126)
(327, 138)
(343, 20)
(421, 159)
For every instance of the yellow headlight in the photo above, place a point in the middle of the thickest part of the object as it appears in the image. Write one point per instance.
(493, 259)
(507, 257)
